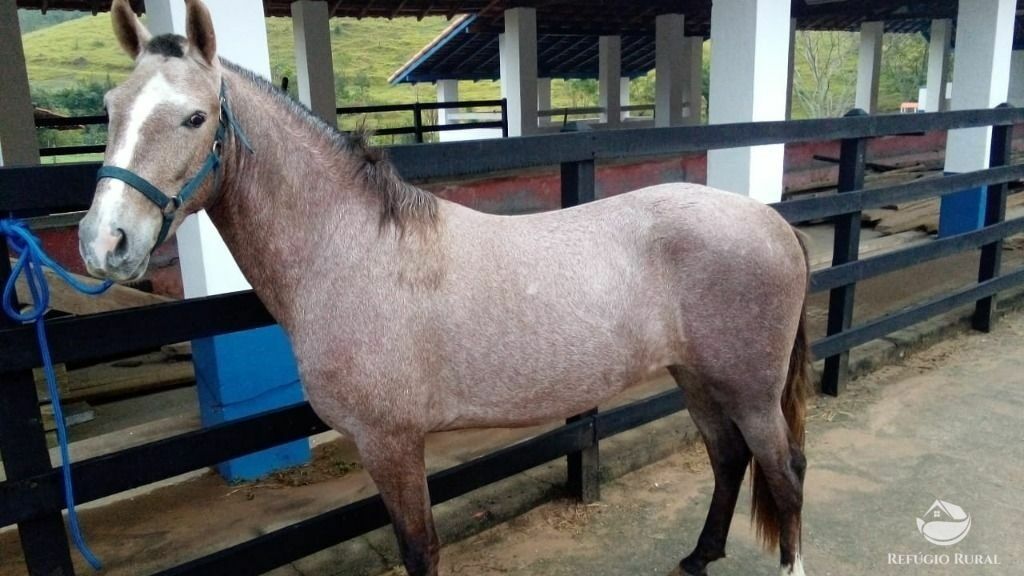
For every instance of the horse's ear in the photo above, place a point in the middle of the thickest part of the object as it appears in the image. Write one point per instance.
(131, 34)
(200, 30)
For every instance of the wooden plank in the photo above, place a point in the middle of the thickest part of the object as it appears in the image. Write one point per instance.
(144, 374)
(67, 299)
(74, 414)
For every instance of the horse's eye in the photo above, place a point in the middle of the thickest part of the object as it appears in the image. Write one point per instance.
(195, 120)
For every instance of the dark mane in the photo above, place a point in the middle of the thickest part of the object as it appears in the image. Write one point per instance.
(401, 203)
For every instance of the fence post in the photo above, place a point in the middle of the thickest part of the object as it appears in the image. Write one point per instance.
(984, 317)
(577, 183)
(845, 248)
(504, 118)
(23, 449)
(417, 121)
(583, 467)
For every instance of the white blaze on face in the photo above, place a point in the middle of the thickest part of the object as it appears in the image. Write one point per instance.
(155, 92)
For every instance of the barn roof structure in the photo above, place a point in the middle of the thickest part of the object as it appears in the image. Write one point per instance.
(567, 44)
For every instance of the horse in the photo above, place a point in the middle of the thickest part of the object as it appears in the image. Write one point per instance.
(409, 314)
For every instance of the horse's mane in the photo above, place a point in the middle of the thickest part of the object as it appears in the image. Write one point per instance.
(400, 202)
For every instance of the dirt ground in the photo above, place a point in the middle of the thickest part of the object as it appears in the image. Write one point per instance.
(946, 424)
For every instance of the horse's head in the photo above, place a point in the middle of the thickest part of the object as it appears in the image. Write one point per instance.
(164, 134)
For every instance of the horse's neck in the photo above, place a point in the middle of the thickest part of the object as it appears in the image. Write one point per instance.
(286, 204)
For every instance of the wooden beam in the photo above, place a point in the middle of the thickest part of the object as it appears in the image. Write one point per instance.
(366, 8)
(397, 9)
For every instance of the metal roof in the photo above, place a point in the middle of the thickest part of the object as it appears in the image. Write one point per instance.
(468, 50)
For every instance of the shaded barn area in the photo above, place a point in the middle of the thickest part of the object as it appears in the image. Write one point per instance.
(907, 268)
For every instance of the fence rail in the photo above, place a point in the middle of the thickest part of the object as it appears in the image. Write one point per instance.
(418, 129)
(31, 496)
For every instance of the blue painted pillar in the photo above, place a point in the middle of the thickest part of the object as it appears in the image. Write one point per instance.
(981, 79)
(243, 373)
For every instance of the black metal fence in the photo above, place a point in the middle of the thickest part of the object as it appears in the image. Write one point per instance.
(31, 497)
(418, 128)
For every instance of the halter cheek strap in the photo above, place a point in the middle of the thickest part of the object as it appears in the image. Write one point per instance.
(227, 123)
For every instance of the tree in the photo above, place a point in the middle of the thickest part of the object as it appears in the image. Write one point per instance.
(904, 69)
(824, 85)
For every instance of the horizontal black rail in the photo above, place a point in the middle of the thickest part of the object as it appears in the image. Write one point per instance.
(70, 187)
(851, 272)
(103, 476)
(438, 128)
(68, 150)
(419, 129)
(377, 108)
(448, 159)
(880, 327)
(820, 207)
(74, 338)
(71, 122)
(75, 121)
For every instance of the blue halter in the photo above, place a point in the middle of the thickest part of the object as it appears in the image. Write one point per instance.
(226, 124)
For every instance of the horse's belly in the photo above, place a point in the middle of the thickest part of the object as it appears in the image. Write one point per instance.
(524, 392)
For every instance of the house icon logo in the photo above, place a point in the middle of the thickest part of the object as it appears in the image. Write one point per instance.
(944, 524)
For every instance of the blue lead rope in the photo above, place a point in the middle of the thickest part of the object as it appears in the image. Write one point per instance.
(32, 262)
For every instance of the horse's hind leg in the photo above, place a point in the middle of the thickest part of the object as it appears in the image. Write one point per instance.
(778, 478)
(395, 462)
(729, 457)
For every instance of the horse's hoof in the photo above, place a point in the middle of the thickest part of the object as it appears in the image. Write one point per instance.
(680, 572)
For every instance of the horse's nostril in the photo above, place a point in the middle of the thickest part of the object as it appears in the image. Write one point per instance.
(121, 248)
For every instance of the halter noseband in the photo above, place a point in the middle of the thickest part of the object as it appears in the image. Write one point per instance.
(226, 123)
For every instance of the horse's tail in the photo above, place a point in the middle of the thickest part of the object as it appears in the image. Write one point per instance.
(764, 512)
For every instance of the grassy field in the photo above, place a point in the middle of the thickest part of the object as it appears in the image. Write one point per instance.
(365, 53)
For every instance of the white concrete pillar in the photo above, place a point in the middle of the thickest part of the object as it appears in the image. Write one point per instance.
(609, 77)
(869, 66)
(693, 79)
(1016, 93)
(938, 66)
(163, 17)
(668, 70)
(314, 65)
(242, 373)
(447, 91)
(791, 74)
(518, 48)
(543, 100)
(18, 142)
(749, 53)
(206, 264)
(981, 79)
(624, 95)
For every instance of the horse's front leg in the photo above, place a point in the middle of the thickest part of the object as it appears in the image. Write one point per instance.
(395, 462)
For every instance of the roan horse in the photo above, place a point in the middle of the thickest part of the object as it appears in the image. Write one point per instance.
(409, 314)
